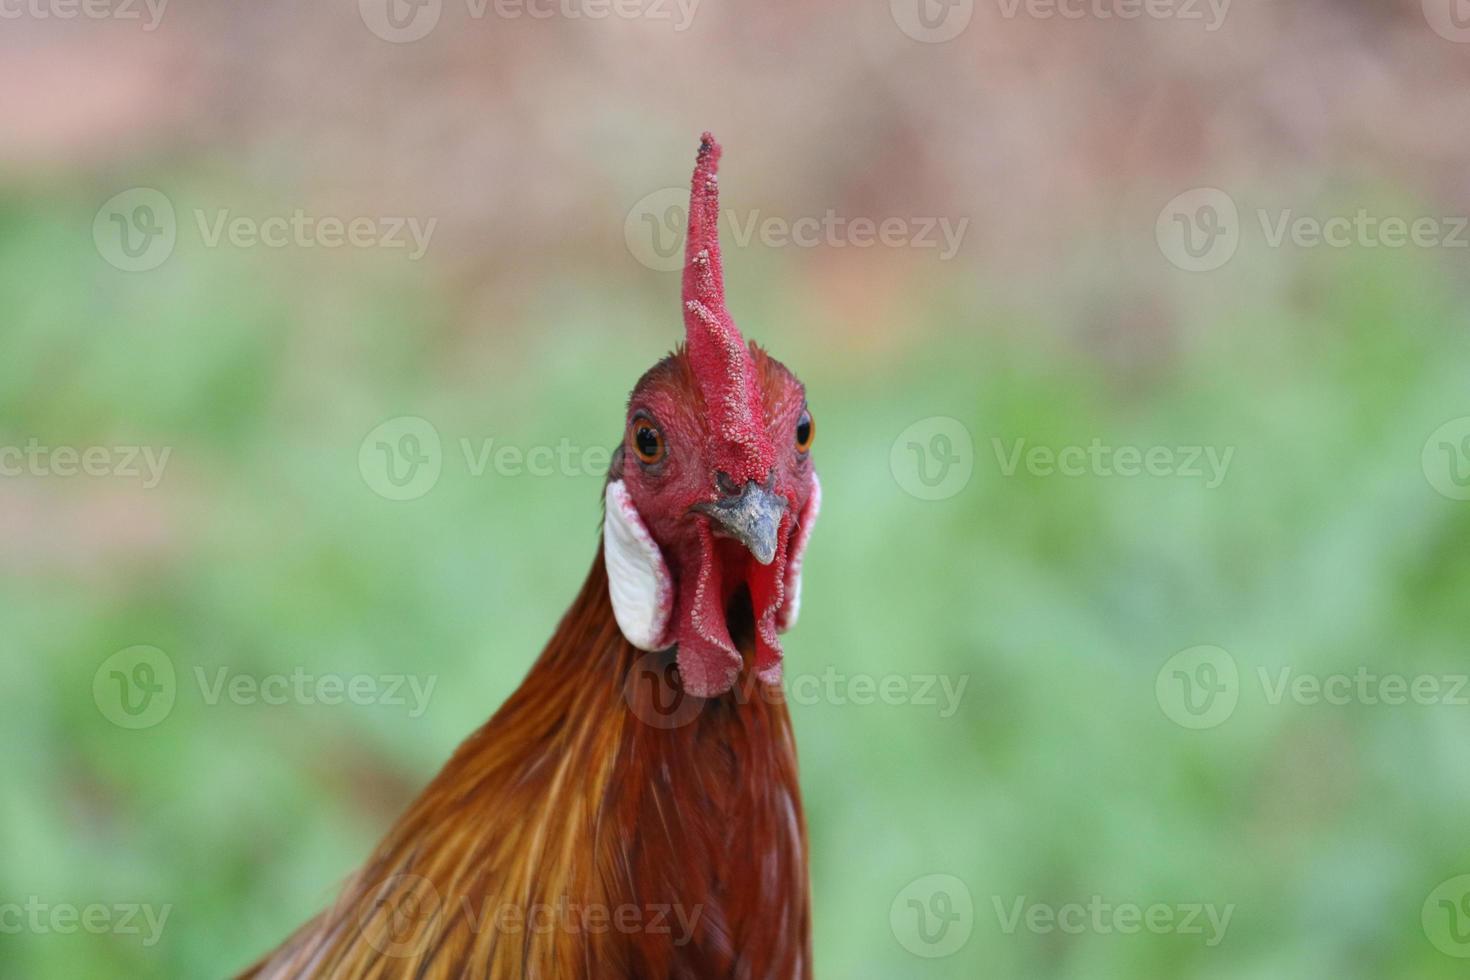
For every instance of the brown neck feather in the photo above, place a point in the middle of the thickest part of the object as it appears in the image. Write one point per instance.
(599, 825)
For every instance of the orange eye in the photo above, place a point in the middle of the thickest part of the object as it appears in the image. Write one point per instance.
(805, 431)
(648, 442)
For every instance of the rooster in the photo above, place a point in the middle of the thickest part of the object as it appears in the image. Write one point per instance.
(633, 809)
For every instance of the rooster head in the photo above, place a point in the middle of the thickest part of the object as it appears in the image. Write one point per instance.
(712, 495)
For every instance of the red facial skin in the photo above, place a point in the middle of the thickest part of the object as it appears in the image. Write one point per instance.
(708, 568)
(728, 416)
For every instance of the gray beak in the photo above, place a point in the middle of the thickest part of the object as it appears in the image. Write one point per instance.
(752, 517)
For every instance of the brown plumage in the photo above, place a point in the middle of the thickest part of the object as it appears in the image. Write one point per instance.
(568, 797)
(607, 822)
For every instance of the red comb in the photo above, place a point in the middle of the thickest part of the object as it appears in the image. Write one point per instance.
(717, 353)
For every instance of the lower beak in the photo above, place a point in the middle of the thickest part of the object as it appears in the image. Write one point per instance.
(751, 517)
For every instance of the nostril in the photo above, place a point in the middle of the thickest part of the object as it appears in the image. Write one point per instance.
(727, 484)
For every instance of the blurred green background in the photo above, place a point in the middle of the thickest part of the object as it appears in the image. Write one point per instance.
(1076, 768)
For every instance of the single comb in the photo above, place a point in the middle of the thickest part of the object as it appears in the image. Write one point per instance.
(721, 360)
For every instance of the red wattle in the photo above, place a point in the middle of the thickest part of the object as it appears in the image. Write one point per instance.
(708, 662)
(767, 585)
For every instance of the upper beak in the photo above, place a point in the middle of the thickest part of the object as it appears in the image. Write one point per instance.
(752, 517)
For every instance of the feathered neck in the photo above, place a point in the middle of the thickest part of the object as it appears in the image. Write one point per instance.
(592, 789)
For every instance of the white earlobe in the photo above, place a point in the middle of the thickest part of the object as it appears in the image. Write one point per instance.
(638, 580)
(786, 618)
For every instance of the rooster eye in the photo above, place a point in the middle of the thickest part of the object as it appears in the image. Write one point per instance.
(648, 442)
(804, 432)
